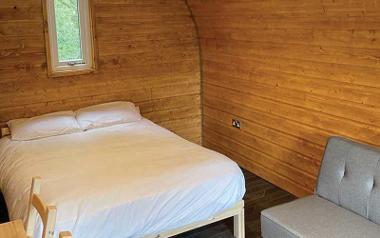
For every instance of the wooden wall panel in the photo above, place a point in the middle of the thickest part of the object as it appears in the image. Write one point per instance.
(148, 53)
(294, 72)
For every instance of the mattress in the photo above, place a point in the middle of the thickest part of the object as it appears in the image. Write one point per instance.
(128, 180)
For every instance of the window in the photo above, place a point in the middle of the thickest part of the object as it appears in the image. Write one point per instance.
(69, 37)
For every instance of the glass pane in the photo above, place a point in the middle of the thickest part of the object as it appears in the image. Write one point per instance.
(68, 30)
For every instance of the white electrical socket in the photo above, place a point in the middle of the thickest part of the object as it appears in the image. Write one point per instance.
(236, 123)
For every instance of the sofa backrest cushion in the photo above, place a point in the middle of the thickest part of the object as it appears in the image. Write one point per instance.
(350, 177)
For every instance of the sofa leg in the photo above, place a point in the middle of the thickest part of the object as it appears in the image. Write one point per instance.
(239, 227)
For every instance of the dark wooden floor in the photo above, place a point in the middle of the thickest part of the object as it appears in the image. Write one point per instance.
(260, 195)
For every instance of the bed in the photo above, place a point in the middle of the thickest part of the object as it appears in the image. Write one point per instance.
(129, 180)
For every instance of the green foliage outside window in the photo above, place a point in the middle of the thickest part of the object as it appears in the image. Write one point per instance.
(68, 30)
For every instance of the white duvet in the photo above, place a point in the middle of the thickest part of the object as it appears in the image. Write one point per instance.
(128, 180)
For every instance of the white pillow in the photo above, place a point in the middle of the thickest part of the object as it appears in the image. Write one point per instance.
(107, 114)
(52, 124)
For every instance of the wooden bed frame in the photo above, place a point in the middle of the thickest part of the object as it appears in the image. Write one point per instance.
(237, 212)
(4, 131)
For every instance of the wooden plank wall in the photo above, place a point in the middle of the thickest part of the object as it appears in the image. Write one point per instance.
(294, 72)
(148, 54)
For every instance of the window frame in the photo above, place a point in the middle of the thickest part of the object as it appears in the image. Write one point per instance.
(86, 22)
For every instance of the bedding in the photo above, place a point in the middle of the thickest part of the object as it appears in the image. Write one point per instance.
(52, 124)
(107, 114)
(127, 180)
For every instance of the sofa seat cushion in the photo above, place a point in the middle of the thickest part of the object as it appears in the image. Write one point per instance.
(314, 217)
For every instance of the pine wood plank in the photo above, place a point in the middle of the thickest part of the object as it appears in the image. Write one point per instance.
(294, 73)
(148, 54)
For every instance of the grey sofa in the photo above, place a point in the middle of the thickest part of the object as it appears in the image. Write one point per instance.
(347, 199)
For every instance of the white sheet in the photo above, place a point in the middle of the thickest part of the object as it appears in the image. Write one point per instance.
(127, 180)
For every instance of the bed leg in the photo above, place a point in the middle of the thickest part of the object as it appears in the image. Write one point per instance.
(239, 227)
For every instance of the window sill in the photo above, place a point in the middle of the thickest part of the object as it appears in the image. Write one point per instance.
(70, 73)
